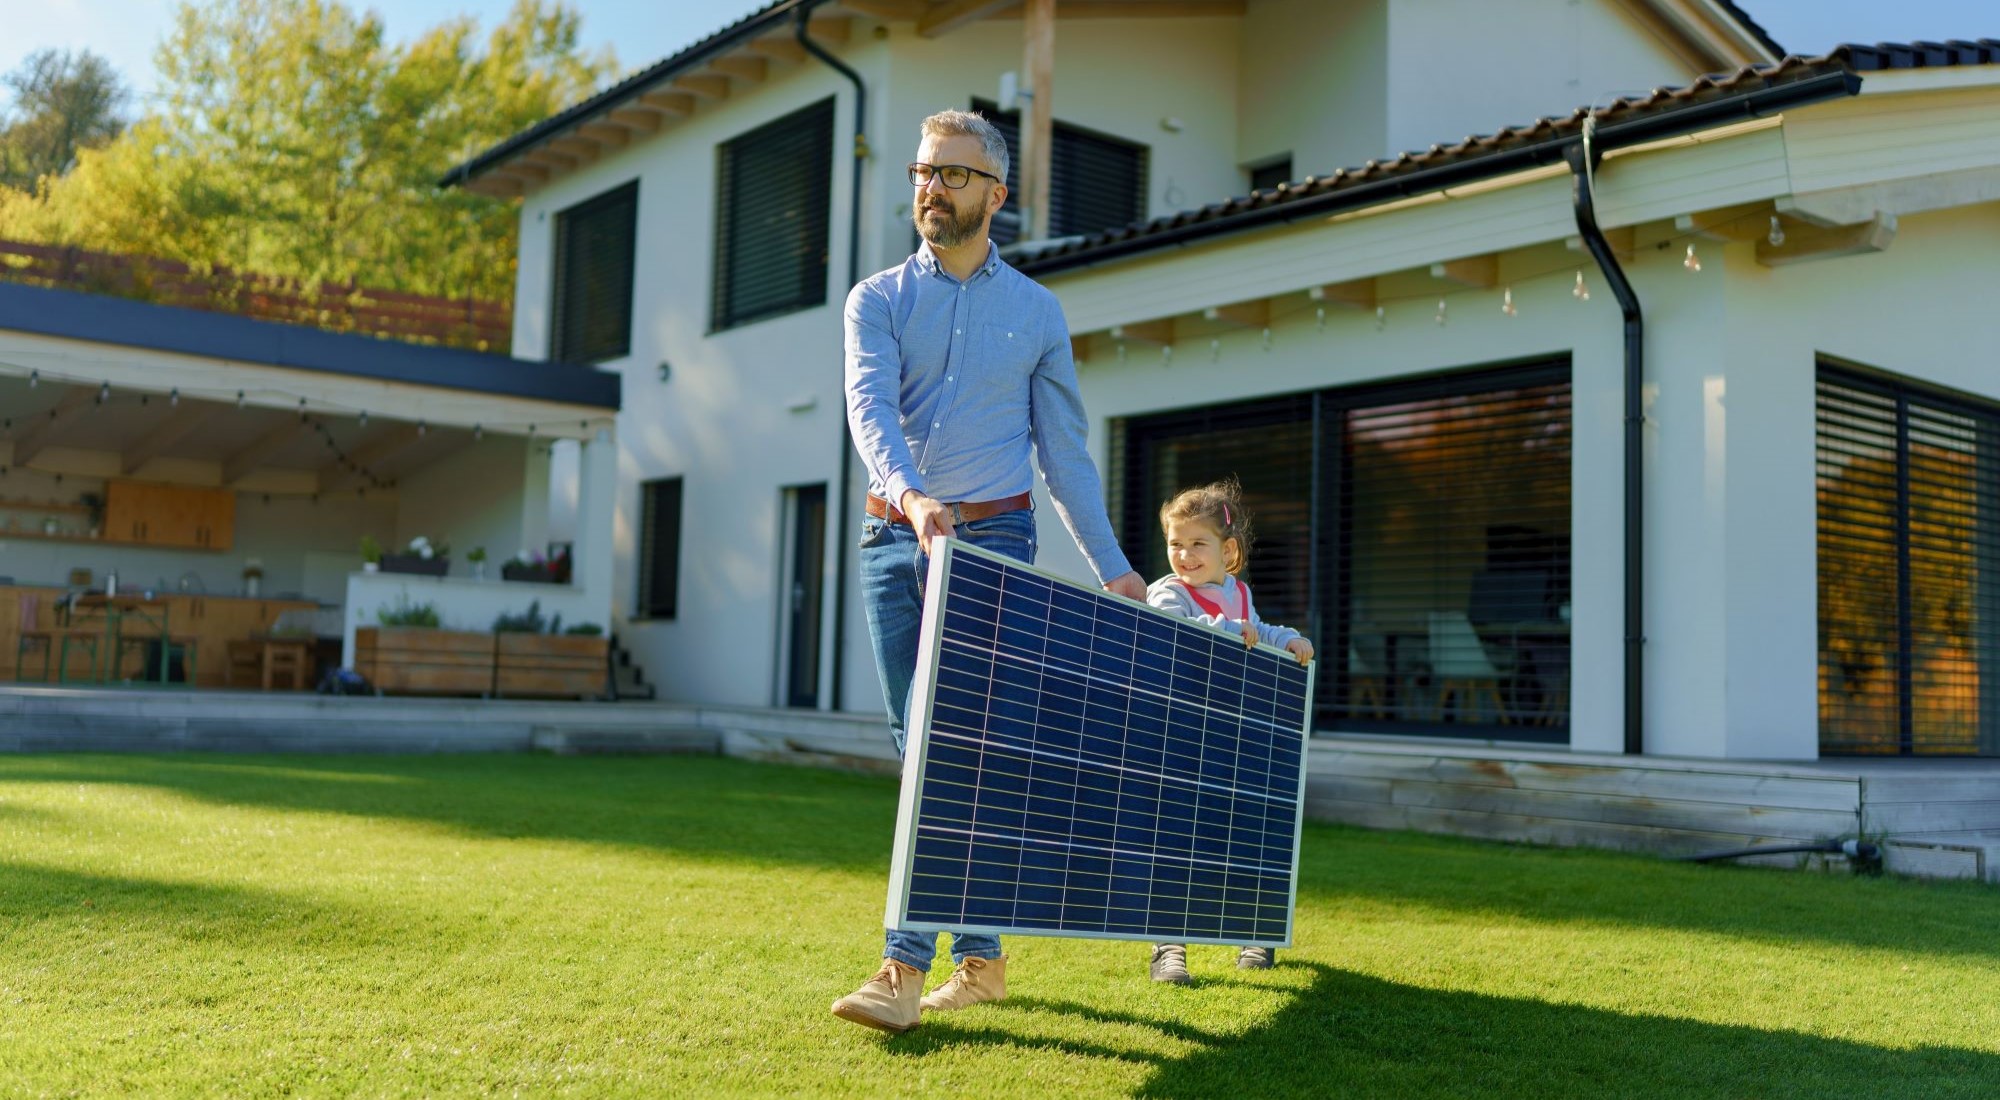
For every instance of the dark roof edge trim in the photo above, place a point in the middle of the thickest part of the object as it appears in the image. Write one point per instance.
(751, 26)
(1651, 127)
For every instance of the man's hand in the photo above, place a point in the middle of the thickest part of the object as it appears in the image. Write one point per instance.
(1301, 649)
(1129, 586)
(927, 516)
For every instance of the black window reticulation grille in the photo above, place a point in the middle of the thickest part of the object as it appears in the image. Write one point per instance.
(596, 241)
(1909, 569)
(1418, 533)
(1096, 181)
(659, 548)
(771, 231)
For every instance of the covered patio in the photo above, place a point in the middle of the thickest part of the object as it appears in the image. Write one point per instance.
(184, 495)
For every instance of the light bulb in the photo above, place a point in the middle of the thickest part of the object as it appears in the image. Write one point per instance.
(1215, 351)
(1507, 302)
(174, 399)
(239, 399)
(1692, 262)
(364, 418)
(1777, 236)
(1580, 292)
(1381, 318)
(34, 379)
(104, 393)
(1440, 316)
(478, 432)
(422, 427)
(1319, 318)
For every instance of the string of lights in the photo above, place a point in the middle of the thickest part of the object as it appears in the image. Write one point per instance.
(1441, 314)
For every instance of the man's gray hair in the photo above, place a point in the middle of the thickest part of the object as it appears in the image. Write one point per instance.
(972, 124)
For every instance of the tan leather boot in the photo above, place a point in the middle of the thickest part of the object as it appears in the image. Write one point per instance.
(973, 981)
(886, 1002)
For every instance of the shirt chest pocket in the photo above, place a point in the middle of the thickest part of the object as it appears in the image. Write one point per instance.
(1002, 353)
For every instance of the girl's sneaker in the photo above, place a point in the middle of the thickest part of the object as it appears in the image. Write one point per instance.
(1256, 958)
(1170, 963)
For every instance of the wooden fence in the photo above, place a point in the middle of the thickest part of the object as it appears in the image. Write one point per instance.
(338, 307)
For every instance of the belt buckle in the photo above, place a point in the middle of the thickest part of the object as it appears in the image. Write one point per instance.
(957, 516)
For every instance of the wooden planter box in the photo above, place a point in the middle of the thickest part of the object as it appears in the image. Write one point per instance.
(516, 571)
(402, 660)
(551, 665)
(412, 563)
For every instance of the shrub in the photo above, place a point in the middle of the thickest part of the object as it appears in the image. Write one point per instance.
(588, 629)
(406, 613)
(527, 622)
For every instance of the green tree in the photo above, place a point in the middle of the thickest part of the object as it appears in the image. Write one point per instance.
(63, 102)
(292, 138)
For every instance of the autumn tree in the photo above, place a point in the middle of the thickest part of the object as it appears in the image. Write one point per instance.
(63, 102)
(293, 138)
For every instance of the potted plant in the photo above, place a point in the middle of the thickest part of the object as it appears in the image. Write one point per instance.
(410, 653)
(477, 556)
(371, 554)
(527, 661)
(528, 565)
(422, 557)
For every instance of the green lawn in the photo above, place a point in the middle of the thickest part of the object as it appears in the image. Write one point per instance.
(530, 925)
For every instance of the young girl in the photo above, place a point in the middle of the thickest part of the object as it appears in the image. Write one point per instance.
(1208, 542)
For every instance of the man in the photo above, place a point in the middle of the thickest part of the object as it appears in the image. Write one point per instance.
(956, 365)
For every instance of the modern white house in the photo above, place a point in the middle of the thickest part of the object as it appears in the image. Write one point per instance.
(1658, 417)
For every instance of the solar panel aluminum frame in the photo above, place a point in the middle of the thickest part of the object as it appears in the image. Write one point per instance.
(918, 745)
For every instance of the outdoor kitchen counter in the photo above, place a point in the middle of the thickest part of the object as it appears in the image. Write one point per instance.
(212, 621)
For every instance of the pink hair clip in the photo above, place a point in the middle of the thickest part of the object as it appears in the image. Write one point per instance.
(1225, 516)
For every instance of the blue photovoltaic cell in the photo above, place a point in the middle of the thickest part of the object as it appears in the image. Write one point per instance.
(1089, 766)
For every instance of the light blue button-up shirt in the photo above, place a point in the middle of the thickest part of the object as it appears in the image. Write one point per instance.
(949, 383)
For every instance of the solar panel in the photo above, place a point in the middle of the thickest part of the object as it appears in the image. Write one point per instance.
(1083, 765)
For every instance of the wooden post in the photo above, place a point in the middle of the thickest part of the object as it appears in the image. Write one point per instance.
(1039, 21)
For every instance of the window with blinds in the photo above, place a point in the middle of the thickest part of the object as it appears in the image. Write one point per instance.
(1096, 181)
(1418, 533)
(591, 316)
(659, 548)
(772, 196)
(1909, 569)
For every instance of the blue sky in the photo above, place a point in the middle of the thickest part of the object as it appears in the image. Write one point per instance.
(644, 31)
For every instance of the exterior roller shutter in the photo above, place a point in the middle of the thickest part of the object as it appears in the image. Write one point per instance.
(1909, 569)
(1418, 533)
(595, 244)
(773, 189)
(1096, 181)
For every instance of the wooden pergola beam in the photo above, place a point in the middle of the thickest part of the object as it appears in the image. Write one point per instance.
(705, 85)
(1145, 332)
(1477, 272)
(178, 425)
(1812, 242)
(779, 47)
(1355, 294)
(605, 134)
(240, 465)
(675, 104)
(942, 19)
(752, 69)
(1255, 314)
(48, 428)
(636, 119)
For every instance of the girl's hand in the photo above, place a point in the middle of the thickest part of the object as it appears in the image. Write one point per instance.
(1249, 634)
(1301, 649)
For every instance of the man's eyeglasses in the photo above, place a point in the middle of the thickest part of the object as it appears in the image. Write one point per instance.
(953, 176)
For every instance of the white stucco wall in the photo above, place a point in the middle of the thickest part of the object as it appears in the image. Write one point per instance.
(1461, 67)
(1314, 84)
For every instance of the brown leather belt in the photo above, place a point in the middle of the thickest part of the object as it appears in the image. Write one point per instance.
(964, 511)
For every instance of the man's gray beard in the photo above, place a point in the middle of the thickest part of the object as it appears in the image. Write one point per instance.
(957, 229)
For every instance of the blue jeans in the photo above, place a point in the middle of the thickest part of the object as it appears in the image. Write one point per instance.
(893, 571)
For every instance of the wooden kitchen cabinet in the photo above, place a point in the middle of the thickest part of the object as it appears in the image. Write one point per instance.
(150, 514)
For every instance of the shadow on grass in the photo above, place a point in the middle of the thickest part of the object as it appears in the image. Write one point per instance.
(1351, 1035)
(702, 807)
(1593, 887)
(195, 913)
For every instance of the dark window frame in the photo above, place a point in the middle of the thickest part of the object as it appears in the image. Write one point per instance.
(784, 251)
(1065, 187)
(599, 279)
(659, 565)
(1294, 454)
(1907, 581)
